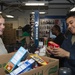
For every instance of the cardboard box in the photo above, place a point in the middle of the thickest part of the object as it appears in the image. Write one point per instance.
(9, 36)
(50, 69)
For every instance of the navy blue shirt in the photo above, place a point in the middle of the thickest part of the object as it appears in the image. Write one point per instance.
(68, 46)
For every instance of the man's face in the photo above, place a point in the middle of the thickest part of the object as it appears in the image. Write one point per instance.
(71, 24)
(2, 22)
(53, 31)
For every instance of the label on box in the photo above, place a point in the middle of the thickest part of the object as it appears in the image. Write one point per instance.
(38, 59)
(26, 66)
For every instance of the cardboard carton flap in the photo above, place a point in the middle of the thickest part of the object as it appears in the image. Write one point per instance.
(5, 57)
(3, 60)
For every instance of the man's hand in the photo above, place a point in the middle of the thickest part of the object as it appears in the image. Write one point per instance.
(49, 50)
(59, 52)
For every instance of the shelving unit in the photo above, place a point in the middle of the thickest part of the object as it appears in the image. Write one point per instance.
(46, 25)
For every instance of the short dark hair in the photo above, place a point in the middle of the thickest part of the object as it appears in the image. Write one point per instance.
(26, 28)
(70, 14)
(57, 28)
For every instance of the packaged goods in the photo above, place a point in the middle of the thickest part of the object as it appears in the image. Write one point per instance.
(38, 59)
(22, 62)
(53, 45)
(18, 56)
(26, 66)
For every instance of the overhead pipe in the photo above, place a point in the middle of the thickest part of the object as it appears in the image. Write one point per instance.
(69, 1)
(74, 1)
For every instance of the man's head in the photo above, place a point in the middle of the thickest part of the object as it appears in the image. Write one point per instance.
(70, 20)
(26, 28)
(2, 22)
(56, 30)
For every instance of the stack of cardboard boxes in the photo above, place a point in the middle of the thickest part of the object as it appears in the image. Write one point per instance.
(9, 35)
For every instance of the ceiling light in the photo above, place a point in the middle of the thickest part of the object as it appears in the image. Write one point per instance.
(42, 12)
(9, 16)
(39, 12)
(0, 12)
(73, 9)
(35, 3)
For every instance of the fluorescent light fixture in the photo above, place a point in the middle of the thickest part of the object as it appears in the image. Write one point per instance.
(0, 12)
(73, 9)
(9, 16)
(35, 3)
(39, 12)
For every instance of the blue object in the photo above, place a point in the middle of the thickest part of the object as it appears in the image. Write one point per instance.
(36, 30)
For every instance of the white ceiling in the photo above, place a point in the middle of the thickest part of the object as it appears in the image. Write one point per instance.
(12, 6)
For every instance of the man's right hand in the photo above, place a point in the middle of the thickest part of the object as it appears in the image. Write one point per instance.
(49, 50)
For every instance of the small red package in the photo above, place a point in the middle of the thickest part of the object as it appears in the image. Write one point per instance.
(53, 45)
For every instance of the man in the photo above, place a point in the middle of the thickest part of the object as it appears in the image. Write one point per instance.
(2, 47)
(67, 50)
(25, 39)
(56, 30)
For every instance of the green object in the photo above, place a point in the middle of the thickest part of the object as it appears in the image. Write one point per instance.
(53, 70)
(23, 35)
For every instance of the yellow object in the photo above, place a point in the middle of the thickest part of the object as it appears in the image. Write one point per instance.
(38, 59)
